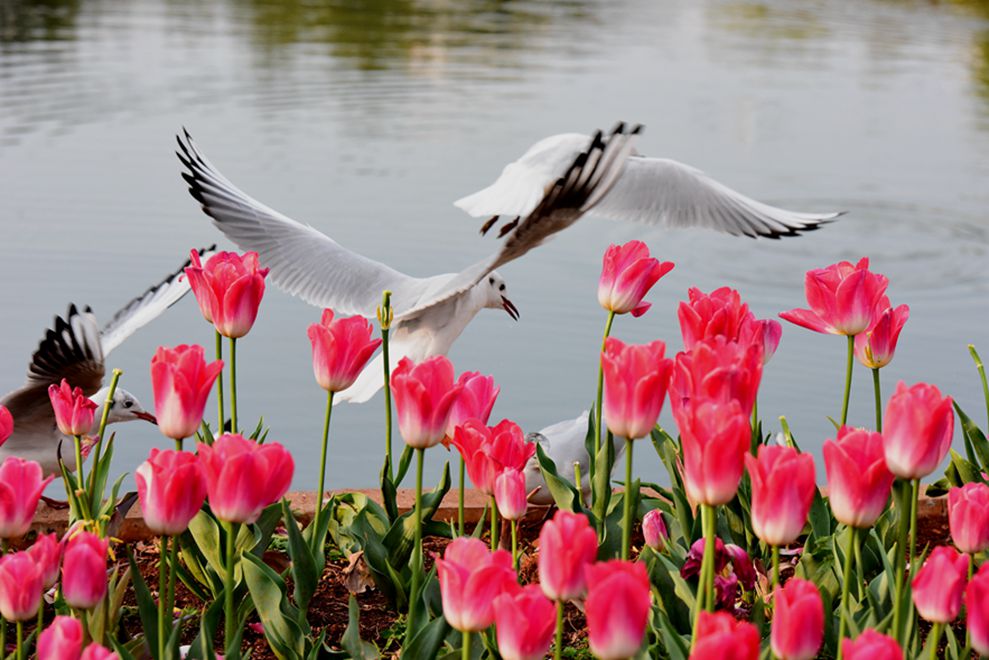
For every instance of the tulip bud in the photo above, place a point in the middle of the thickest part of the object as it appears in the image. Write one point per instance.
(635, 381)
(798, 620)
(871, 645)
(61, 640)
(968, 517)
(171, 487)
(524, 622)
(21, 485)
(917, 430)
(20, 587)
(783, 487)
(243, 477)
(340, 350)
(181, 381)
(424, 396)
(858, 479)
(617, 608)
(510, 495)
(84, 581)
(977, 610)
(939, 585)
(567, 545)
(654, 530)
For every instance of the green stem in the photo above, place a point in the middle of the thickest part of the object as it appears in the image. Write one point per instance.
(515, 546)
(707, 570)
(3, 637)
(417, 547)
(600, 395)
(465, 647)
(494, 524)
(776, 566)
(903, 506)
(178, 444)
(787, 435)
(982, 376)
(384, 319)
(968, 633)
(577, 483)
(162, 597)
(936, 634)
(914, 497)
(117, 373)
(558, 647)
(627, 498)
(460, 500)
(219, 385)
(710, 549)
(879, 400)
(756, 439)
(229, 609)
(233, 385)
(846, 610)
(848, 378)
(40, 625)
(173, 569)
(20, 641)
(80, 477)
(322, 471)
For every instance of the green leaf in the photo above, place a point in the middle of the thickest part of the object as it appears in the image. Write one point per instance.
(820, 517)
(604, 461)
(404, 461)
(202, 646)
(277, 615)
(427, 642)
(401, 536)
(351, 640)
(305, 575)
(147, 609)
(976, 446)
(564, 493)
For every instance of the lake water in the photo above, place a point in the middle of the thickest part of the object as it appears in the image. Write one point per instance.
(367, 119)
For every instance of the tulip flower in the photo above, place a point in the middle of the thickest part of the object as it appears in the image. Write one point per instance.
(181, 381)
(742, 565)
(470, 578)
(424, 397)
(84, 581)
(719, 313)
(654, 530)
(716, 438)
(228, 289)
(939, 585)
(627, 274)
(20, 586)
(617, 608)
(524, 623)
(875, 347)
(765, 332)
(567, 544)
(844, 299)
(510, 497)
(717, 370)
(859, 482)
(21, 485)
(719, 636)
(692, 564)
(635, 378)
(871, 645)
(74, 411)
(61, 640)
(918, 428)
(97, 652)
(977, 610)
(46, 552)
(488, 451)
(968, 517)
(798, 620)
(171, 488)
(6, 424)
(340, 349)
(243, 477)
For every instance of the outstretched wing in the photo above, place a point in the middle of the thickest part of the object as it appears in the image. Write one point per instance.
(664, 192)
(71, 349)
(148, 306)
(303, 261)
(585, 181)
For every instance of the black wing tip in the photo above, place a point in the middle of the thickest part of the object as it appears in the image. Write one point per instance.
(60, 347)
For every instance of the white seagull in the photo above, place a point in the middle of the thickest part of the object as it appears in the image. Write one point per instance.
(75, 349)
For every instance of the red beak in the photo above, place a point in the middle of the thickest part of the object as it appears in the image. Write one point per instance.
(512, 310)
(148, 417)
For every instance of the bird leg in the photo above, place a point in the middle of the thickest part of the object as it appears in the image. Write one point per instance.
(509, 227)
(489, 224)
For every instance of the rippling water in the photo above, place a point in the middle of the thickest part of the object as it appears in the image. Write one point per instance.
(366, 119)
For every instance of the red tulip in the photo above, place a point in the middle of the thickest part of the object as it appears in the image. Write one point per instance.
(243, 477)
(340, 349)
(692, 564)
(635, 382)
(741, 564)
(917, 430)
(46, 552)
(717, 370)
(968, 517)
(844, 299)
(783, 488)
(871, 645)
(939, 585)
(61, 640)
(719, 636)
(627, 274)
(654, 529)
(229, 290)
(20, 587)
(567, 545)
(524, 622)
(181, 381)
(798, 620)
(858, 480)
(74, 411)
(617, 608)
(719, 313)
(471, 577)
(875, 347)
(424, 396)
(84, 581)
(97, 652)
(510, 495)
(715, 438)
(21, 485)
(488, 451)
(172, 488)
(6, 424)
(476, 400)
(977, 610)
(766, 332)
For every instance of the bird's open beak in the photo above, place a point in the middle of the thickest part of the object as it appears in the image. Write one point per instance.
(512, 310)
(148, 417)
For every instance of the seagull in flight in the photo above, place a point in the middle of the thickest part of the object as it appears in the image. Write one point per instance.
(75, 348)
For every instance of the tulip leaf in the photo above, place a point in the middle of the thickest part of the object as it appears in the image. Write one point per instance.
(206, 534)
(676, 646)
(967, 472)
(404, 461)
(564, 493)
(976, 446)
(820, 517)
(147, 609)
(202, 646)
(428, 641)
(351, 641)
(389, 493)
(401, 536)
(305, 575)
(278, 616)
(604, 461)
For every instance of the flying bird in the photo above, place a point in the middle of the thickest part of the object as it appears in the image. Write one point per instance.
(75, 348)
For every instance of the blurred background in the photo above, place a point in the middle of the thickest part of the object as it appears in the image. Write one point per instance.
(367, 119)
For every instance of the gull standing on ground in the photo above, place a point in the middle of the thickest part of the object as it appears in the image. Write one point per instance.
(75, 349)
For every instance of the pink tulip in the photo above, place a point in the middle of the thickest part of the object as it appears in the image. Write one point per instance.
(181, 381)
(6, 424)
(74, 411)
(243, 477)
(968, 517)
(567, 545)
(844, 299)
(917, 430)
(424, 397)
(509, 492)
(871, 645)
(21, 485)
(783, 488)
(617, 608)
(229, 290)
(715, 438)
(654, 529)
(340, 350)
(97, 652)
(939, 585)
(524, 622)
(719, 636)
(798, 620)
(635, 382)
(488, 451)
(20, 586)
(84, 581)
(719, 313)
(476, 400)
(717, 370)
(977, 610)
(61, 640)
(875, 347)
(46, 552)
(858, 480)
(627, 274)
(172, 488)
(766, 332)
(471, 577)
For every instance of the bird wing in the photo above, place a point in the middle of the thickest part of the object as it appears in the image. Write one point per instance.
(661, 191)
(72, 350)
(303, 261)
(148, 306)
(587, 178)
